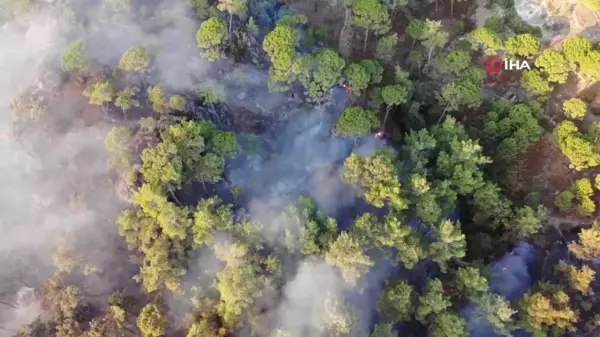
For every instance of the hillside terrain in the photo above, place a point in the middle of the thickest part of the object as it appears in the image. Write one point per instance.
(300, 168)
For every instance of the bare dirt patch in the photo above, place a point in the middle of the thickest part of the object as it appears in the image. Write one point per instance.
(321, 13)
(554, 111)
(546, 170)
(443, 10)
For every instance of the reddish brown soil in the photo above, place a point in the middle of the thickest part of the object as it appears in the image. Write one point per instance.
(545, 160)
(546, 170)
(322, 14)
(554, 111)
(462, 10)
(86, 114)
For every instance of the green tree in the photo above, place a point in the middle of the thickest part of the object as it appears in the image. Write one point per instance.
(398, 302)
(161, 262)
(311, 232)
(428, 209)
(203, 9)
(393, 5)
(495, 24)
(135, 59)
(118, 146)
(328, 66)
(371, 15)
(470, 282)
(416, 30)
(579, 279)
(280, 45)
(204, 327)
(251, 26)
(457, 94)
(393, 95)
(224, 143)
(575, 49)
(239, 283)
(432, 301)
(200, 149)
(582, 188)
(448, 324)
(357, 122)
(459, 158)
(346, 254)
(178, 102)
(534, 83)
(574, 108)
(377, 175)
(74, 57)
(526, 222)
(357, 76)
(434, 36)
(554, 64)
(587, 246)
(489, 200)
(473, 74)
(450, 243)
(588, 67)
(575, 146)
(564, 200)
(293, 20)
(162, 166)
(189, 151)
(233, 7)
(64, 303)
(391, 233)
(512, 130)
(100, 92)
(386, 48)
(125, 98)
(173, 220)
(210, 217)
(487, 39)
(549, 310)
(384, 330)
(152, 321)
(211, 34)
(157, 97)
(525, 45)
(455, 61)
(497, 311)
(374, 70)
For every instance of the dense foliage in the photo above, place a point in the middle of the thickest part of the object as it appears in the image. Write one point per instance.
(413, 181)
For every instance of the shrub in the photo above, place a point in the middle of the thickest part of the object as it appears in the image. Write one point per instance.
(564, 200)
(574, 108)
(583, 192)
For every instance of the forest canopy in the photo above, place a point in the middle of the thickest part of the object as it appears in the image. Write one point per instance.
(294, 169)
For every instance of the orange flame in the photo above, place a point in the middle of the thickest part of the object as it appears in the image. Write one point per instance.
(379, 134)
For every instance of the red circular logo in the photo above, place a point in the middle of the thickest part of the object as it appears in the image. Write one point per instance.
(494, 64)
